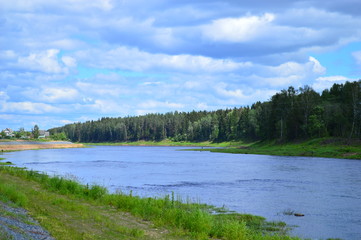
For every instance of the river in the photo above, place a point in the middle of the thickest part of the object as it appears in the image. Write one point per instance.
(326, 191)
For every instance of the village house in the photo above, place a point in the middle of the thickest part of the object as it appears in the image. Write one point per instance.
(8, 132)
(43, 134)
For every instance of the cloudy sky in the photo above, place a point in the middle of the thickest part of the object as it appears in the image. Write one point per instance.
(78, 60)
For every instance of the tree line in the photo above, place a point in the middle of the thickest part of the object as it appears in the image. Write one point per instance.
(290, 114)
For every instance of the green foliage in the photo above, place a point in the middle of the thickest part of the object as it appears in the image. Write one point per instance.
(9, 192)
(290, 114)
(59, 136)
(35, 132)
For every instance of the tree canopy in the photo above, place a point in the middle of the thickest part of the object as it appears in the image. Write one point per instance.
(290, 114)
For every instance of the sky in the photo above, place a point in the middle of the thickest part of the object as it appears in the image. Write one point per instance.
(78, 60)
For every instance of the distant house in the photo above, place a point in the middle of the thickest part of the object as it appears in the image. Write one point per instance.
(43, 134)
(8, 132)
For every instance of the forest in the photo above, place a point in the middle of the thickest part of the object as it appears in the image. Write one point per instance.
(290, 114)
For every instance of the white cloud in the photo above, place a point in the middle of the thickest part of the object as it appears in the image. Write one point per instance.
(323, 83)
(357, 56)
(136, 60)
(237, 29)
(28, 107)
(3, 96)
(58, 94)
(105, 107)
(151, 83)
(6, 117)
(157, 56)
(288, 73)
(51, 94)
(45, 61)
(317, 67)
(101, 90)
(7, 54)
(234, 93)
(69, 61)
(241, 96)
(64, 122)
(157, 104)
(78, 5)
(333, 79)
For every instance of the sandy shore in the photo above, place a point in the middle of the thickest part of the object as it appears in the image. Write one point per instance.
(36, 145)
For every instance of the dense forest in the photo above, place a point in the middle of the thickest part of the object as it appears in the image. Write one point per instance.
(290, 114)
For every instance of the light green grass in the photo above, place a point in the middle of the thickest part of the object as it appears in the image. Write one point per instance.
(168, 142)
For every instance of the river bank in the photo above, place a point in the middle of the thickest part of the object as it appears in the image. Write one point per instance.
(69, 210)
(18, 145)
(168, 143)
(320, 147)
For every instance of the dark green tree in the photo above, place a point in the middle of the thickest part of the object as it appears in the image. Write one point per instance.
(35, 132)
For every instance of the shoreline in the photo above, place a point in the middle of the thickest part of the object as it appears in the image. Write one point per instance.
(320, 147)
(145, 232)
(58, 202)
(34, 145)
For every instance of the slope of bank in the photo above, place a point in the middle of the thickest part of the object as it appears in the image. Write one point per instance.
(321, 147)
(30, 145)
(169, 143)
(69, 210)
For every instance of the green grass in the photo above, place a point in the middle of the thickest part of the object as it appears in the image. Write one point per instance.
(169, 142)
(321, 147)
(9, 192)
(69, 210)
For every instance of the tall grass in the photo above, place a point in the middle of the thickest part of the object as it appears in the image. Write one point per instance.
(193, 219)
(9, 192)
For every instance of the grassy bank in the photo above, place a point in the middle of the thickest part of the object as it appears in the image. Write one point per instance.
(321, 147)
(171, 143)
(69, 210)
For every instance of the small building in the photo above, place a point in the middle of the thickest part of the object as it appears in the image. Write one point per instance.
(43, 134)
(8, 132)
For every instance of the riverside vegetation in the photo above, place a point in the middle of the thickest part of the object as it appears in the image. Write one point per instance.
(319, 147)
(289, 115)
(69, 210)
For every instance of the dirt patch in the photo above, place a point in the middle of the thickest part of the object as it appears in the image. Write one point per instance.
(349, 154)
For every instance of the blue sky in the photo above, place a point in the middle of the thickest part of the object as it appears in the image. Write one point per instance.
(78, 60)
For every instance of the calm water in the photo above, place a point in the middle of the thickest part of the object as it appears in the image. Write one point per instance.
(327, 191)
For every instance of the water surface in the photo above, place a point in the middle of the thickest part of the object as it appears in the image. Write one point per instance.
(327, 191)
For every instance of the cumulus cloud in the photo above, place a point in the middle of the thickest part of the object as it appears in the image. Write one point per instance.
(326, 82)
(237, 29)
(46, 61)
(28, 107)
(79, 5)
(136, 60)
(97, 58)
(156, 104)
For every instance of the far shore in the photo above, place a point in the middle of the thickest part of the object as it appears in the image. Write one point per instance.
(320, 147)
(33, 145)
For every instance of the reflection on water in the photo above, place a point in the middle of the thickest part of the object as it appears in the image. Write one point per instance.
(326, 191)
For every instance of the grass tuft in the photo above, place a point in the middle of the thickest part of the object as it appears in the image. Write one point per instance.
(10, 193)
